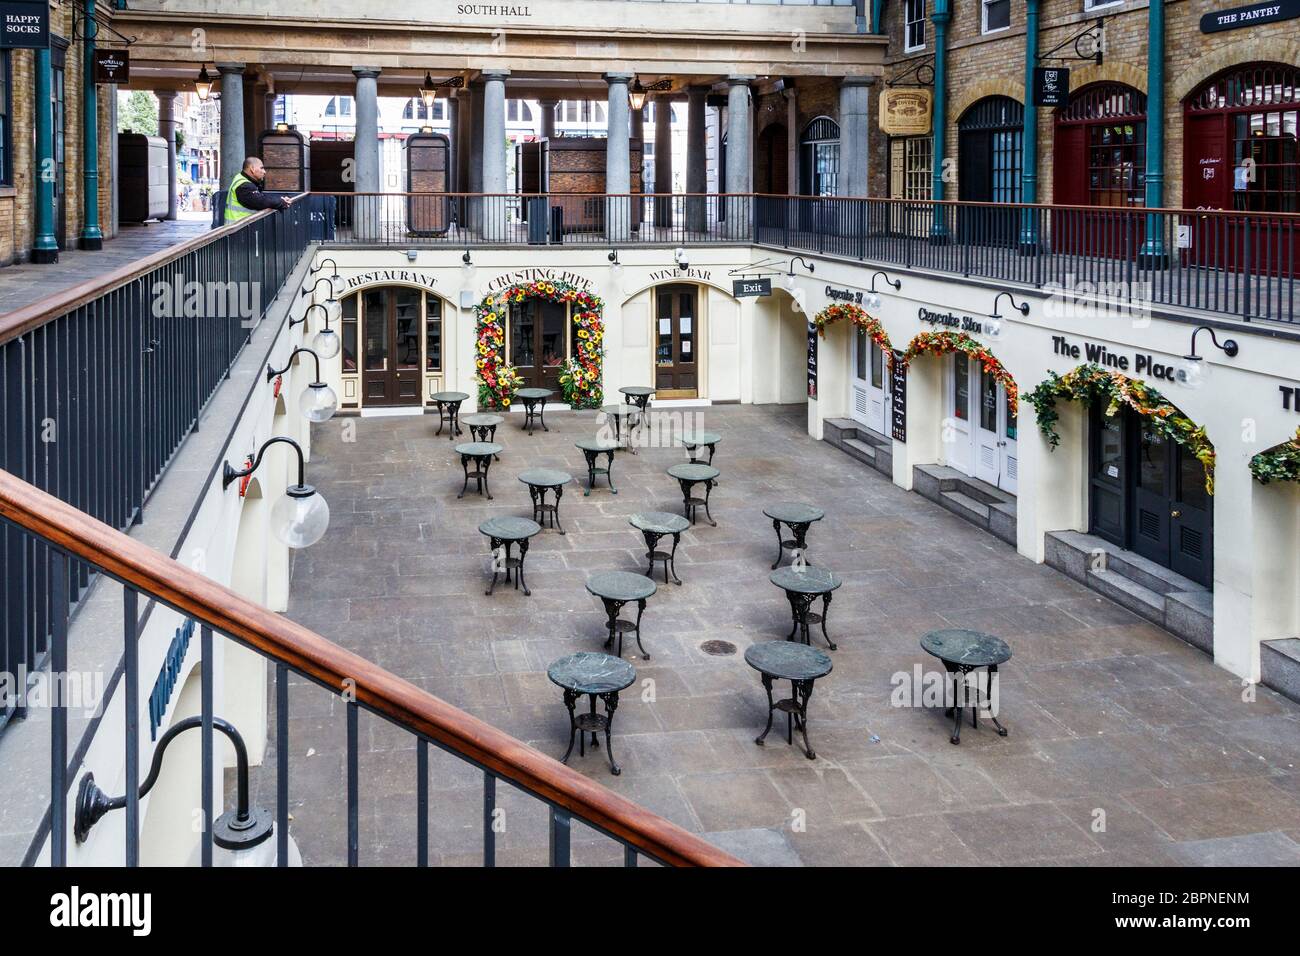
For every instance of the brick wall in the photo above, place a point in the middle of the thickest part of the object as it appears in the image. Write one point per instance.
(989, 65)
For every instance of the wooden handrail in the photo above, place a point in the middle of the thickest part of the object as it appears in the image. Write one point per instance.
(302, 650)
(31, 316)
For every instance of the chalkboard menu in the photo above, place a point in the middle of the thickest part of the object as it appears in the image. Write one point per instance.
(898, 396)
(812, 361)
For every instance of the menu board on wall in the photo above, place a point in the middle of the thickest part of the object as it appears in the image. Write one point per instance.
(812, 361)
(898, 396)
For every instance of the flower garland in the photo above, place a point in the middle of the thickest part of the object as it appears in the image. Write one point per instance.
(941, 343)
(1279, 463)
(858, 316)
(580, 376)
(1091, 383)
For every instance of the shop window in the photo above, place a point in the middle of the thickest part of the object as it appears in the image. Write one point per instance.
(914, 24)
(432, 333)
(350, 334)
(960, 386)
(1101, 145)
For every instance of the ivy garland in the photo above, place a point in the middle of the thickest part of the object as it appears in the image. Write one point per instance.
(941, 343)
(1091, 384)
(1279, 463)
(579, 377)
(858, 316)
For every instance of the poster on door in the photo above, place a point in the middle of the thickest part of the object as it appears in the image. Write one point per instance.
(812, 361)
(898, 397)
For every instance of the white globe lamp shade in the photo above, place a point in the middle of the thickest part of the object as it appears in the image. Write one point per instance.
(326, 344)
(318, 402)
(300, 518)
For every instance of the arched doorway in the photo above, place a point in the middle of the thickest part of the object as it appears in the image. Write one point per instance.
(1100, 160)
(819, 158)
(392, 346)
(1240, 153)
(676, 340)
(990, 157)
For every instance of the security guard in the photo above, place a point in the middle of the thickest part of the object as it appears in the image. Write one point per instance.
(245, 195)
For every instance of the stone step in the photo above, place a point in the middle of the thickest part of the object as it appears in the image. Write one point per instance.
(1130, 594)
(1279, 664)
(860, 450)
(964, 505)
(1147, 573)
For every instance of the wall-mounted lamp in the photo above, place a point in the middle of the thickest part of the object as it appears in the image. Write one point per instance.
(335, 279)
(203, 85)
(299, 519)
(789, 279)
(466, 265)
(240, 837)
(615, 266)
(636, 93)
(317, 401)
(1194, 369)
(993, 327)
(333, 307)
(872, 299)
(326, 344)
(679, 256)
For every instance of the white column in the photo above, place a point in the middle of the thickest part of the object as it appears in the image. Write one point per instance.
(233, 152)
(167, 130)
(547, 108)
(494, 152)
(618, 160)
(740, 164)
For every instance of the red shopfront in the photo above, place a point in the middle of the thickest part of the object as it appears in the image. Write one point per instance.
(1240, 155)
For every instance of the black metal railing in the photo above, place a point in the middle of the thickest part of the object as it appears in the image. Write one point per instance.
(71, 538)
(100, 385)
(1240, 264)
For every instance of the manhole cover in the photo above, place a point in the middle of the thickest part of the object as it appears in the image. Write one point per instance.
(718, 648)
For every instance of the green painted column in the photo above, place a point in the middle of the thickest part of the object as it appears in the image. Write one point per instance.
(46, 246)
(940, 18)
(1154, 252)
(1029, 137)
(91, 235)
(878, 17)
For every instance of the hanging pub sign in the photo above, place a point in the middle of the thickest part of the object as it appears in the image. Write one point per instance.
(905, 111)
(742, 288)
(812, 361)
(1051, 86)
(24, 25)
(898, 397)
(1271, 11)
(112, 66)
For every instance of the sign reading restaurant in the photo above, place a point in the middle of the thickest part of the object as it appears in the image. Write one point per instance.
(402, 276)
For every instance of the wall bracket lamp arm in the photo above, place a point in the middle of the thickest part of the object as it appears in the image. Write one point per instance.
(1228, 347)
(229, 474)
(271, 373)
(314, 305)
(896, 283)
(1021, 307)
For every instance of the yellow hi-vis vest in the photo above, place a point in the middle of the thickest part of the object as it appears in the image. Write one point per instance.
(234, 211)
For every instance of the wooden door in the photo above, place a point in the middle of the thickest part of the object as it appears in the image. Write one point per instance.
(677, 340)
(538, 337)
(391, 324)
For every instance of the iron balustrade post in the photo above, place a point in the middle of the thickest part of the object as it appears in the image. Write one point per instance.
(281, 765)
(422, 802)
(489, 819)
(560, 834)
(131, 669)
(354, 786)
(58, 564)
(206, 678)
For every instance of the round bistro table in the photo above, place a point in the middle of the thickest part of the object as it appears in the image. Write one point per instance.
(688, 476)
(624, 417)
(962, 650)
(481, 454)
(591, 674)
(803, 585)
(504, 532)
(483, 425)
(535, 400)
(638, 395)
(616, 588)
(653, 526)
(693, 441)
(796, 516)
(592, 449)
(801, 665)
(449, 411)
(539, 482)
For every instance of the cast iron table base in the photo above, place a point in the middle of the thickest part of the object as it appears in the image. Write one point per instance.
(481, 454)
(449, 412)
(961, 651)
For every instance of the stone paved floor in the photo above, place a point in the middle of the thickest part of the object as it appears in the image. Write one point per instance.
(1112, 721)
(26, 282)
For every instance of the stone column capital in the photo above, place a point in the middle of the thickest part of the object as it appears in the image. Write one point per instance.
(858, 81)
(230, 69)
(366, 72)
(617, 79)
(739, 80)
(165, 96)
(495, 73)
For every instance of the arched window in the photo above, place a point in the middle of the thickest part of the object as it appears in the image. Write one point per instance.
(1100, 147)
(819, 158)
(990, 150)
(1240, 133)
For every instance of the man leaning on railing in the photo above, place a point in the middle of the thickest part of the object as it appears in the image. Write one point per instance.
(246, 195)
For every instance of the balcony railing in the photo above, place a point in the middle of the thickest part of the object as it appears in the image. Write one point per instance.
(100, 384)
(72, 538)
(1232, 263)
